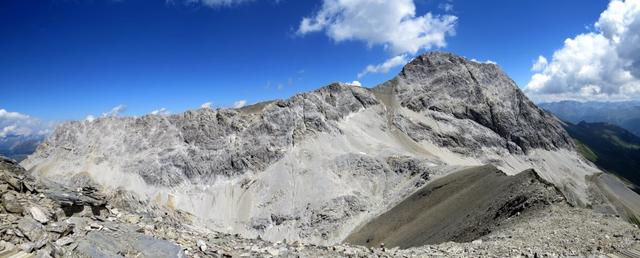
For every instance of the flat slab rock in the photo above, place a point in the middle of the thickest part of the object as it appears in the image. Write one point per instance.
(117, 244)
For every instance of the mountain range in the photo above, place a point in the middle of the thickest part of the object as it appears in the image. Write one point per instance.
(448, 150)
(625, 114)
(18, 147)
(342, 153)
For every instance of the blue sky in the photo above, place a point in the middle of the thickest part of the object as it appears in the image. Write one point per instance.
(63, 60)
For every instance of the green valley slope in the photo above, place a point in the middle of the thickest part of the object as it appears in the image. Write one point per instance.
(612, 148)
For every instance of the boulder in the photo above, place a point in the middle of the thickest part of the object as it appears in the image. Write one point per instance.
(31, 228)
(113, 244)
(38, 214)
(10, 203)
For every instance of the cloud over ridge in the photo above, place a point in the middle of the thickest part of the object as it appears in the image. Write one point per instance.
(17, 124)
(599, 65)
(391, 24)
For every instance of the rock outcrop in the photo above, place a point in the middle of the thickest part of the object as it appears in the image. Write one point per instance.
(482, 93)
(38, 220)
(199, 144)
(314, 166)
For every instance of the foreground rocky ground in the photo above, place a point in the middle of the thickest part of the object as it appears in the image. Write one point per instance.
(47, 220)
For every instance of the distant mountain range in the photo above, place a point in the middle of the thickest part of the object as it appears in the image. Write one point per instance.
(624, 114)
(610, 147)
(18, 147)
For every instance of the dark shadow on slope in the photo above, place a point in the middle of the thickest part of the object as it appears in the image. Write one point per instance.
(459, 207)
(611, 147)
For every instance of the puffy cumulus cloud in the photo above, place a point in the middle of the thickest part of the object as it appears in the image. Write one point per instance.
(393, 24)
(386, 66)
(4, 114)
(90, 118)
(355, 83)
(7, 130)
(540, 64)
(160, 112)
(207, 105)
(599, 65)
(17, 124)
(239, 103)
(115, 111)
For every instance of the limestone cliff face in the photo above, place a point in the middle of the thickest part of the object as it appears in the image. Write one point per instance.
(199, 144)
(482, 93)
(314, 166)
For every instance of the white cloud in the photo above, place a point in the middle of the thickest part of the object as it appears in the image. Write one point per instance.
(6, 115)
(239, 103)
(115, 111)
(206, 105)
(386, 66)
(599, 65)
(7, 130)
(14, 123)
(392, 24)
(355, 83)
(484, 62)
(161, 112)
(540, 64)
(447, 7)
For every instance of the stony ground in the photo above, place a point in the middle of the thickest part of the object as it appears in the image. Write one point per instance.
(38, 220)
(558, 231)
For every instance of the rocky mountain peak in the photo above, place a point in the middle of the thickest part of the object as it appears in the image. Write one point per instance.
(482, 92)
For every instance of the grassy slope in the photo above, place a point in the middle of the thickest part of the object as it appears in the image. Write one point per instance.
(586, 151)
(612, 148)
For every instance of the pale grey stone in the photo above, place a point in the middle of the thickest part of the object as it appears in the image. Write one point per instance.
(31, 228)
(38, 214)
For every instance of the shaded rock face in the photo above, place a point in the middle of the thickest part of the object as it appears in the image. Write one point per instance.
(482, 93)
(11, 165)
